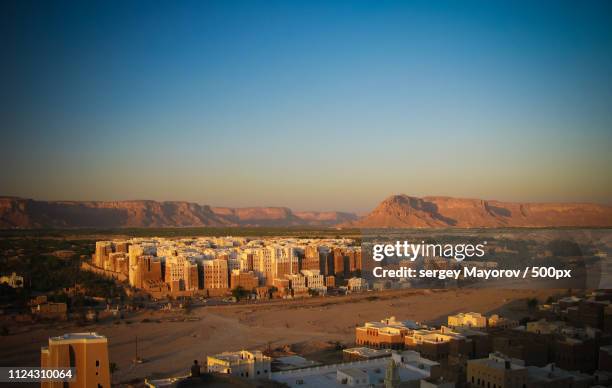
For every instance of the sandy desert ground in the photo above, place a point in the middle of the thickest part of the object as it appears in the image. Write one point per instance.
(170, 347)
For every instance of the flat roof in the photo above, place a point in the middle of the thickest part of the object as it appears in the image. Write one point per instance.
(548, 373)
(292, 362)
(368, 352)
(354, 373)
(326, 375)
(237, 356)
(79, 337)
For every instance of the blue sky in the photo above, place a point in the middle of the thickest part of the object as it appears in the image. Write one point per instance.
(311, 105)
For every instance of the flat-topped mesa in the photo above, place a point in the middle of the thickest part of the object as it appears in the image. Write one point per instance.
(403, 211)
(396, 211)
(29, 214)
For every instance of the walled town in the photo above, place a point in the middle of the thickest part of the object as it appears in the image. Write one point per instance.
(212, 267)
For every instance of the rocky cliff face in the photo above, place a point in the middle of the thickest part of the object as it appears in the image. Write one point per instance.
(398, 211)
(259, 216)
(402, 211)
(28, 213)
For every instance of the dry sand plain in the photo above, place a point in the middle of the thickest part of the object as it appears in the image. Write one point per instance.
(170, 347)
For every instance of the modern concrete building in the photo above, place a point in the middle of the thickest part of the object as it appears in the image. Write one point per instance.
(437, 344)
(496, 371)
(533, 349)
(500, 371)
(475, 320)
(405, 369)
(545, 327)
(498, 322)
(551, 376)
(479, 321)
(86, 352)
(575, 353)
(247, 364)
(51, 311)
(364, 353)
(381, 335)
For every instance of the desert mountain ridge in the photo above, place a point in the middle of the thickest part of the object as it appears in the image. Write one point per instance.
(403, 211)
(396, 211)
(25, 213)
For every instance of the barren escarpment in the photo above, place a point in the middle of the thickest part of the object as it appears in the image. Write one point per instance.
(403, 211)
(397, 211)
(29, 213)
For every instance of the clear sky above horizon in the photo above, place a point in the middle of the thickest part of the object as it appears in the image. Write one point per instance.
(308, 104)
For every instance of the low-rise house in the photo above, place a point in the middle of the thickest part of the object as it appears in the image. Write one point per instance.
(51, 310)
(244, 363)
(401, 369)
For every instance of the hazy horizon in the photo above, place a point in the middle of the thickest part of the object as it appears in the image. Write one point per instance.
(312, 106)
